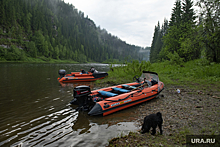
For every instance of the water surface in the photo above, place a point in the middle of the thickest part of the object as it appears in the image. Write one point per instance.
(35, 109)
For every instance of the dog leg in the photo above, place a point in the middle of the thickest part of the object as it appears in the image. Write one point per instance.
(153, 131)
(160, 127)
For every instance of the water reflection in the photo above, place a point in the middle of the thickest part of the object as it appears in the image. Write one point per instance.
(90, 84)
(82, 123)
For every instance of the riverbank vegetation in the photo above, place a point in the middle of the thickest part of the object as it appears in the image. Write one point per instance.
(197, 71)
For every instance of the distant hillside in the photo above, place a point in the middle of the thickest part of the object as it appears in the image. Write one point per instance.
(52, 29)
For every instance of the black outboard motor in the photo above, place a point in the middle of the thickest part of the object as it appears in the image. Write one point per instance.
(62, 73)
(81, 94)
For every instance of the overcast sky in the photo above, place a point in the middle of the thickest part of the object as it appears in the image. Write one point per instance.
(132, 21)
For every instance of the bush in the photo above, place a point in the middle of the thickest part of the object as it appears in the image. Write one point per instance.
(125, 72)
(195, 71)
(175, 58)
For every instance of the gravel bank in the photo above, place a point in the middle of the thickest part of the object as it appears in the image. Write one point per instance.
(191, 112)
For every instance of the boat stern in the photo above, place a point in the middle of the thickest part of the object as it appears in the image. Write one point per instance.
(96, 110)
(100, 75)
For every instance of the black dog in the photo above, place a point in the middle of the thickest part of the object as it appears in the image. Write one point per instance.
(152, 120)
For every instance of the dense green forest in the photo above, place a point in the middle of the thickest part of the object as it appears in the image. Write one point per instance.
(53, 29)
(187, 36)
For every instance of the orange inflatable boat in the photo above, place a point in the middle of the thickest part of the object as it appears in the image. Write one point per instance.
(111, 99)
(80, 76)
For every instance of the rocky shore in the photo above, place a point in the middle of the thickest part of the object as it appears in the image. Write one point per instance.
(190, 112)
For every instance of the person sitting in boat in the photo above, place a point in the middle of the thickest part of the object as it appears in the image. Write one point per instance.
(148, 82)
(83, 71)
(96, 71)
(93, 70)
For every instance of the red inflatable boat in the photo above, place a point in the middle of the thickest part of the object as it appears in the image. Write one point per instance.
(108, 100)
(80, 76)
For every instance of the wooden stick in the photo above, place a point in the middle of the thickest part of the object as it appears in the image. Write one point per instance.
(139, 86)
(216, 97)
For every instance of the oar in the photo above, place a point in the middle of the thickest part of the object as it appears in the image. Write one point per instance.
(139, 86)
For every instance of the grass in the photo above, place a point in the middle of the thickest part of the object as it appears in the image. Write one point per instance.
(125, 72)
(197, 71)
(135, 139)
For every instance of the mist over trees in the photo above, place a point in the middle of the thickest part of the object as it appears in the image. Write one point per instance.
(186, 38)
(52, 29)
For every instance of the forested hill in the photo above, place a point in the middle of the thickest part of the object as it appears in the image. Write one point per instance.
(53, 29)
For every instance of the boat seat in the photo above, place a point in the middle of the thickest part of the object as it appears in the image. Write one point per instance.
(121, 90)
(127, 86)
(106, 93)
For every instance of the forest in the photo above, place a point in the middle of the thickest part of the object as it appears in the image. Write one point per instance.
(53, 29)
(188, 36)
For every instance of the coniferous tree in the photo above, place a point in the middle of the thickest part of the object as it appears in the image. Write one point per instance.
(210, 30)
(56, 52)
(181, 32)
(32, 49)
(2, 14)
(188, 15)
(39, 41)
(153, 51)
(51, 50)
(157, 42)
(46, 50)
(175, 19)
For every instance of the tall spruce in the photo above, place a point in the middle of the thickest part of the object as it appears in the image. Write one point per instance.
(171, 42)
(188, 15)
(153, 45)
(181, 33)
(157, 42)
(176, 19)
(210, 28)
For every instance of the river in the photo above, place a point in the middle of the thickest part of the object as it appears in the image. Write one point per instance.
(35, 109)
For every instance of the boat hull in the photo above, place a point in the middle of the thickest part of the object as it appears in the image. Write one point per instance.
(132, 98)
(78, 77)
(115, 98)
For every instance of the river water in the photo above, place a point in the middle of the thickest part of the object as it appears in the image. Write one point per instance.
(35, 109)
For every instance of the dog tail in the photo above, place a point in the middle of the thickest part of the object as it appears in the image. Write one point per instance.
(159, 114)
